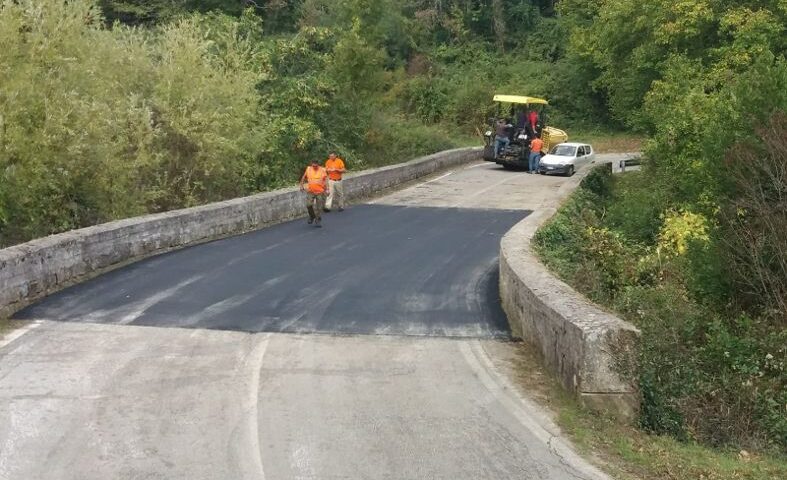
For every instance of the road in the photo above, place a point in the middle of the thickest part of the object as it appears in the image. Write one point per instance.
(359, 350)
(408, 263)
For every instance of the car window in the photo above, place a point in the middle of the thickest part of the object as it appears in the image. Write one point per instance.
(581, 152)
(564, 150)
(588, 149)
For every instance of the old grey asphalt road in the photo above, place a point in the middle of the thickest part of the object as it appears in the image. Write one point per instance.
(354, 351)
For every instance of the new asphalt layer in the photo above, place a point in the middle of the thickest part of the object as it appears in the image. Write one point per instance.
(371, 269)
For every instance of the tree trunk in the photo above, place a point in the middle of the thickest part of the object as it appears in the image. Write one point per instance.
(499, 24)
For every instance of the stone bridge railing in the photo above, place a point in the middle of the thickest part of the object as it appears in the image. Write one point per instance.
(591, 352)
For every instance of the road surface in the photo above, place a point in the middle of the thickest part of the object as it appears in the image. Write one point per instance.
(359, 350)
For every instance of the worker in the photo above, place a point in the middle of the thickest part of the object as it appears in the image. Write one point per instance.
(335, 168)
(533, 121)
(534, 124)
(316, 179)
(501, 136)
(535, 153)
(521, 119)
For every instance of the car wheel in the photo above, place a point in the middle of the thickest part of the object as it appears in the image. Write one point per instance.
(570, 172)
(508, 166)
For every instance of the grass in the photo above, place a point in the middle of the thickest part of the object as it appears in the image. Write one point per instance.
(467, 140)
(607, 141)
(627, 453)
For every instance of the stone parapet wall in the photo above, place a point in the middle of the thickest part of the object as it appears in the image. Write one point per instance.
(590, 351)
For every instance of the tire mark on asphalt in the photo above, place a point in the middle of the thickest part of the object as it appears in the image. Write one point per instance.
(248, 443)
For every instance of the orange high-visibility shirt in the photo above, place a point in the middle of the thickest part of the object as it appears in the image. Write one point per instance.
(536, 145)
(316, 178)
(337, 163)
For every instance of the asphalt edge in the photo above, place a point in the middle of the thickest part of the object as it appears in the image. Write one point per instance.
(530, 414)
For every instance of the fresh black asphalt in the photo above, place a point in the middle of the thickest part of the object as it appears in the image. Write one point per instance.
(372, 269)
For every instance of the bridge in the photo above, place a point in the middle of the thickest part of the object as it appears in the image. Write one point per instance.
(373, 348)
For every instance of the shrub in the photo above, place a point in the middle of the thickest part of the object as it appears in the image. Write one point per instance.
(100, 123)
(636, 206)
(394, 139)
(755, 220)
(598, 181)
(426, 99)
(707, 371)
(561, 241)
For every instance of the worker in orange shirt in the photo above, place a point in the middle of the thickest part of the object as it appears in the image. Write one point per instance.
(335, 168)
(316, 179)
(535, 153)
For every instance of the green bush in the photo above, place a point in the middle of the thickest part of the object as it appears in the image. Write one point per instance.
(598, 181)
(426, 99)
(636, 207)
(562, 240)
(702, 218)
(707, 372)
(101, 124)
(394, 139)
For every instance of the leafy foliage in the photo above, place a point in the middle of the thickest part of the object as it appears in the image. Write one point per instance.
(135, 12)
(114, 108)
(707, 372)
(100, 124)
(697, 262)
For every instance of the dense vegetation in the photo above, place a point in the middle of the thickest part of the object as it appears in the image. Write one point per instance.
(112, 108)
(692, 249)
(116, 108)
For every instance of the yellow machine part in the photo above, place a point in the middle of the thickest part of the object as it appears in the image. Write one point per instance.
(551, 137)
(519, 99)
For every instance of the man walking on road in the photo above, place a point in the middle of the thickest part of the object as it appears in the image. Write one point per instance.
(535, 154)
(335, 168)
(316, 179)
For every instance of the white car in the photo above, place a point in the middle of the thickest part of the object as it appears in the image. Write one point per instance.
(566, 158)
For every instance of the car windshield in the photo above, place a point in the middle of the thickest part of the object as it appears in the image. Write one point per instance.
(564, 151)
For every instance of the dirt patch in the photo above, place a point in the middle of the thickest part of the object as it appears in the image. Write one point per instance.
(619, 144)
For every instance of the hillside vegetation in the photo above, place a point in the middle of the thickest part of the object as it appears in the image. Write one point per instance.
(692, 248)
(110, 109)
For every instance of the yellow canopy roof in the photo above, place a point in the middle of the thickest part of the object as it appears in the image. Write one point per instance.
(519, 99)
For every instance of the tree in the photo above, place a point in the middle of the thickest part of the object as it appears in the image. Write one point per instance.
(134, 12)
